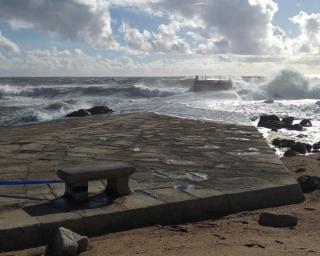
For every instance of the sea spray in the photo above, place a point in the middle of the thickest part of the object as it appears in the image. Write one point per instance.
(291, 85)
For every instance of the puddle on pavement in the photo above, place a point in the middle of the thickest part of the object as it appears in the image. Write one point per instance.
(192, 176)
(184, 187)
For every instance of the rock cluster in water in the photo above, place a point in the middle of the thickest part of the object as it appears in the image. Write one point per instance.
(273, 122)
(96, 110)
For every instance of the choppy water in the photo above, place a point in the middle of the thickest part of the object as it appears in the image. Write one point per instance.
(30, 100)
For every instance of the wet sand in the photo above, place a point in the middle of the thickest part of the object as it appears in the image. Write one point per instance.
(237, 234)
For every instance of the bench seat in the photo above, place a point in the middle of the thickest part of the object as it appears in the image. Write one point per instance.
(77, 178)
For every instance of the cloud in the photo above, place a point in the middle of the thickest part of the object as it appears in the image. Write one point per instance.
(164, 40)
(84, 20)
(309, 38)
(8, 45)
(243, 26)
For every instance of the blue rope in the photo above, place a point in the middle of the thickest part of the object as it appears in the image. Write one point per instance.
(30, 182)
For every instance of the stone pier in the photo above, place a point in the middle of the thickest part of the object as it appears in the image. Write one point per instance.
(186, 170)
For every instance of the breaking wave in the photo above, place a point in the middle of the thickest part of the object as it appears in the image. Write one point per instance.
(135, 91)
(292, 85)
(286, 85)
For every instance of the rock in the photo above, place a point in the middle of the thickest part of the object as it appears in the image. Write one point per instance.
(283, 143)
(287, 120)
(79, 113)
(301, 148)
(268, 101)
(308, 147)
(318, 103)
(270, 121)
(290, 153)
(308, 183)
(306, 123)
(97, 110)
(316, 145)
(254, 118)
(302, 136)
(295, 127)
(68, 243)
(277, 220)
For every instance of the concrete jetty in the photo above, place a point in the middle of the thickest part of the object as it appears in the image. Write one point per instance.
(186, 170)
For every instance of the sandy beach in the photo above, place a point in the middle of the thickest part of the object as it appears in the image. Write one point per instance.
(238, 234)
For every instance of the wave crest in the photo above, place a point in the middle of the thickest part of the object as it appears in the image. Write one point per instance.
(291, 85)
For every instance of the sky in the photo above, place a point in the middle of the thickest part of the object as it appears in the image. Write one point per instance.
(158, 37)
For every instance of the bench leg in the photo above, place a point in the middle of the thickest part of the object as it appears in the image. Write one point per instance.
(77, 192)
(118, 187)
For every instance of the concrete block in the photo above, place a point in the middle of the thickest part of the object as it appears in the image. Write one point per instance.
(20, 234)
(50, 224)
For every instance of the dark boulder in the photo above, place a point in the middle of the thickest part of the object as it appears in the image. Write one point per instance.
(268, 101)
(290, 153)
(79, 113)
(308, 183)
(316, 146)
(283, 143)
(97, 110)
(301, 148)
(306, 123)
(295, 127)
(287, 121)
(277, 220)
(308, 147)
(270, 121)
(318, 103)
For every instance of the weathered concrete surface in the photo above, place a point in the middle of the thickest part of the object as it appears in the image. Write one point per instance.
(186, 170)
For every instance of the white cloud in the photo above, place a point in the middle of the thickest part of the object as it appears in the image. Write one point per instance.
(309, 38)
(164, 40)
(8, 45)
(245, 24)
(84, 20)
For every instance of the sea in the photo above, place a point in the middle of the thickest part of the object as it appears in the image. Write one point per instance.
(30, 100)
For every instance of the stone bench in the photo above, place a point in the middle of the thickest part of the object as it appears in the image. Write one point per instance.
(77, 178)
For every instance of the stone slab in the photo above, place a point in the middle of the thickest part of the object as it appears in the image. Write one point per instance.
(186, 170)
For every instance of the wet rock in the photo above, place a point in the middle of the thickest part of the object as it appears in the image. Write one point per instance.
(308, 183)
(290, 153)
(68, 243)
(318, 103)
(316, 145)
(283, 143)
(79, 113)
(277, 220)
(270, 121)
(268, 101)
(287, 121)
(97, 110)
(295, 127)
(302, 136)
(254, 118)
(306, 123)
(301, 148)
